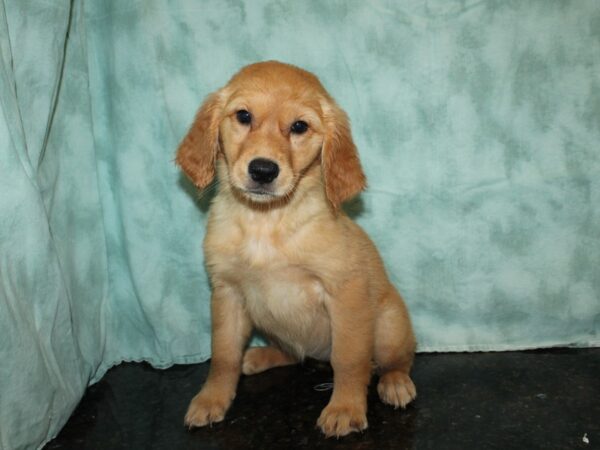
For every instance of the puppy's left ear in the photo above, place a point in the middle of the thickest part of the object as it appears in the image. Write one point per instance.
(342, 172)
(197, 152)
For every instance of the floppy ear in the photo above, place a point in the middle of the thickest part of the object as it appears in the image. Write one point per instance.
(342, 172)
(197, 152)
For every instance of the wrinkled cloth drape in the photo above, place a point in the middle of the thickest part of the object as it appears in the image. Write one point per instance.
(478, 124)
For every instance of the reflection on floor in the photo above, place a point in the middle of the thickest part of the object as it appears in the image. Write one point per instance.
(546, 399)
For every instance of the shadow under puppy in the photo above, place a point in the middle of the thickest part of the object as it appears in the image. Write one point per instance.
(282, 256)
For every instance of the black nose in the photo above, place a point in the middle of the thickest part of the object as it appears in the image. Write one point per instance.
(263, 170)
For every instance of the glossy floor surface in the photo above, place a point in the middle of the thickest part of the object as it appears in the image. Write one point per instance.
(524, 400)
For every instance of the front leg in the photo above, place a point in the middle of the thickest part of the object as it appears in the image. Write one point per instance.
(231, 329)
(352, 318)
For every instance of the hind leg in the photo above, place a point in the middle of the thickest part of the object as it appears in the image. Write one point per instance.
(394, 352)
(259, 359)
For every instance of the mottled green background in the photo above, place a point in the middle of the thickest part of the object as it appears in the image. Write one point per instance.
(478, 123)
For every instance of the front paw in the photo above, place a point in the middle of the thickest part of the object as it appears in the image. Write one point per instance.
(207, 408)
(342, 419)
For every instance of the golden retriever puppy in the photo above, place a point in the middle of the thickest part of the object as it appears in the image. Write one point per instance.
(281, 254)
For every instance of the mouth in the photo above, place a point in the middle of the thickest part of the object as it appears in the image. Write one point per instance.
(260, 192)
(256, 192)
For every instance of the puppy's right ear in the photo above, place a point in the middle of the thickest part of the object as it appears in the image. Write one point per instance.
(197, 153)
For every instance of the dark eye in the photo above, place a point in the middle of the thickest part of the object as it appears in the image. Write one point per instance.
(243, 117)
(299, 127)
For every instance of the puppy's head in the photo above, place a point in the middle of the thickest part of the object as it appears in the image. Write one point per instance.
(271, 123)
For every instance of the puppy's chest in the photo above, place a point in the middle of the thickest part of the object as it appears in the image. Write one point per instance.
(288, 304)
(249, 249)
(282, 296)
(261, 250)
(270, 278)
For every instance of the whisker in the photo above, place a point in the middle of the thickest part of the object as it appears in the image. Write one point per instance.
(207, 191)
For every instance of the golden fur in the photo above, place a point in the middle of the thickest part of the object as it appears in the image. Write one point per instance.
(285, 259)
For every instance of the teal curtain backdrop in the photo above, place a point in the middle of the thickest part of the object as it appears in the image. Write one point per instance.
(478, 123)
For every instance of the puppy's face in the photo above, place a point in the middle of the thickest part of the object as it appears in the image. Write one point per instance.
(271, 132)
(271, 123)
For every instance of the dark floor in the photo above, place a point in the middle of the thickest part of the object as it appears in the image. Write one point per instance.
(523, 400)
